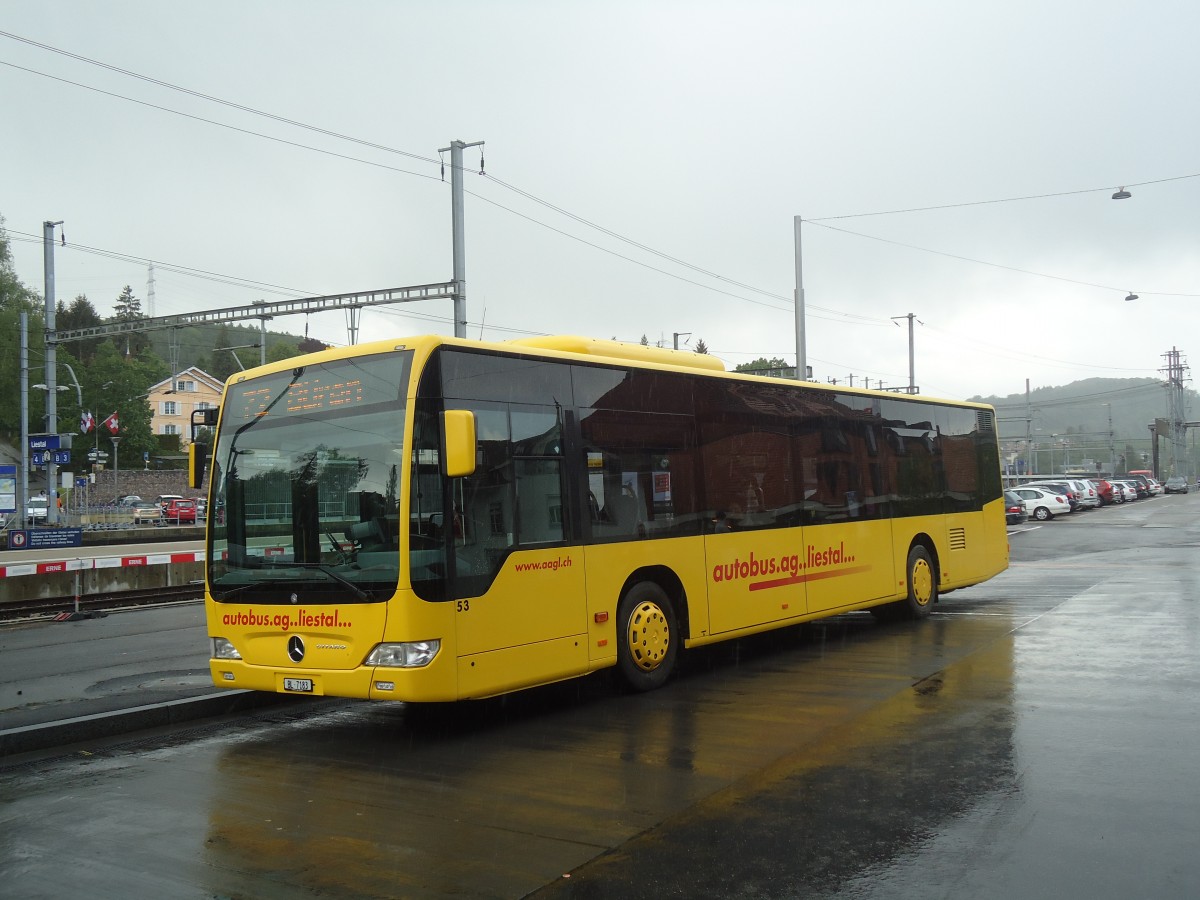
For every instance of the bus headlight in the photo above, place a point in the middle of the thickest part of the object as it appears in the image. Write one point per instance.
(224, 649)
(409, 655)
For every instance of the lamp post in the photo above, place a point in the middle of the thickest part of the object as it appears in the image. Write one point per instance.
(116, 464)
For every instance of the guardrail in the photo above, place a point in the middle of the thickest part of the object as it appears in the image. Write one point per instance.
(86, 564)
(81, 576)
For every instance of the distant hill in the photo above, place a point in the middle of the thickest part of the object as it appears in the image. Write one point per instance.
(1079, 414)
(197, 343)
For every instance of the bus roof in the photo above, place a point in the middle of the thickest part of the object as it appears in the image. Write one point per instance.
(585, 346)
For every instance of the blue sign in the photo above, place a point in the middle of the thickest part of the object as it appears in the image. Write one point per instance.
(43, 442)
(48, 538)
(62, 457)
(8, 489)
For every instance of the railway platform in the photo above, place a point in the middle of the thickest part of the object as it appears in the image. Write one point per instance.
(70, 683)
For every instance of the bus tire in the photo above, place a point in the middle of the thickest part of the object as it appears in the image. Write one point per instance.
(922, 584)
(647, 637)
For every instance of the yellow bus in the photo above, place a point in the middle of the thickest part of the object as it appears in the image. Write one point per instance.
(435, 519)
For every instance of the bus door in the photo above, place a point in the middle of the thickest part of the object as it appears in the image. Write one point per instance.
(518, 586)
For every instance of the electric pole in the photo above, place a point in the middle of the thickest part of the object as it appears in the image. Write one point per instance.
(456, 207)
(51, 371)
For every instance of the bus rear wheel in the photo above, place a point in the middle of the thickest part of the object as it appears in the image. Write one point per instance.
(647, 637)
(922, 590)
(922, 584)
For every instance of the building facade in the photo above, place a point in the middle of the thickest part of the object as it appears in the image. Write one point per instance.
(173, 400)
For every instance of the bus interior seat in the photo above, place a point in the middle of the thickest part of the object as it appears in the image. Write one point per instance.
(622, 511)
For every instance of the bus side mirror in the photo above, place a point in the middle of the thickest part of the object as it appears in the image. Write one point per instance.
(197, 463)
(458, 439)
(198, 448)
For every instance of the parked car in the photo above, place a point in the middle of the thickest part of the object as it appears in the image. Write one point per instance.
(128, 500)
(201, 507)
(1058, 487)
(1128, 489)
(1156, 487)
(1177, 484)
(1043, 504)
(163, 499)
(1088, 498)
(146, 512)
(37, 510)
(1014, 509)
(180, 512)
(1141, 483)
(1104, 490)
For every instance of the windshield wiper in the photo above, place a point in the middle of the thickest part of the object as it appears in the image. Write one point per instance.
(275, 582)
(345, 582)
(242, 588)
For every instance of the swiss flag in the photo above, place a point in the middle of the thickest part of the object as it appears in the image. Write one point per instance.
(86, 422)
(112, 424)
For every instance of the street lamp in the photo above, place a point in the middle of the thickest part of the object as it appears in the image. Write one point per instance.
(1123, 194)
(116, 464)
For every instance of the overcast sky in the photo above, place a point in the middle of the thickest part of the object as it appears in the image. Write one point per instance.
(645, 162)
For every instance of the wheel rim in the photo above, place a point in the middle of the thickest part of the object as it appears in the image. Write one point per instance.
(922, 582)
(649, 636)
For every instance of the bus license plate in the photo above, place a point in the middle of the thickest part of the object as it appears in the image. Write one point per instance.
(303, 685)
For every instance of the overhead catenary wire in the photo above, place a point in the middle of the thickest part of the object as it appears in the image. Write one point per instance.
(815, 311)
(560, 210)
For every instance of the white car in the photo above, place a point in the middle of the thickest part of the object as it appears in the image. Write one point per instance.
(37, 510)
(1127, 489)
(1042, 504)
(1089, 497)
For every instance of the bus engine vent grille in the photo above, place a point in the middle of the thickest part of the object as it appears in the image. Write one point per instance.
(958, 539)
(985, 420)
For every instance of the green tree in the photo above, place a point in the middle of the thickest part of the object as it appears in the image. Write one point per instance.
(128, 308)
(221, 363)
(312, 345)
(15, 298)
(282, 350)
(645, 342)
(80, 314)
(123, 383)
(701, 347)
(763, 366)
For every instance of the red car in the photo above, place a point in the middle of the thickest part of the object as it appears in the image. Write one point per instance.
(179, 512)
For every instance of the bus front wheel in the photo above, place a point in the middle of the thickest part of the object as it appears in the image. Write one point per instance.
(647, 638)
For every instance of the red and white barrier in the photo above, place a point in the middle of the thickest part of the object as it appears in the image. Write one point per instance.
(100, 562)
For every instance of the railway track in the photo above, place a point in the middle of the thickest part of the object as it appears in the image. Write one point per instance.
(96, 604)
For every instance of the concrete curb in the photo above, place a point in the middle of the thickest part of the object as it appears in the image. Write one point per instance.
(31, 738)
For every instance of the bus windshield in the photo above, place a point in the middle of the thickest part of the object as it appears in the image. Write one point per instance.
(306, 483)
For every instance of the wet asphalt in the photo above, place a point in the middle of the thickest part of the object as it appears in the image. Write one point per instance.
(1036, 738)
